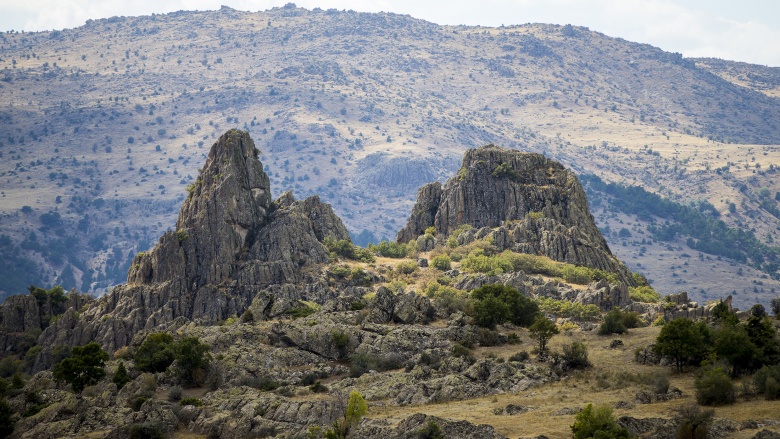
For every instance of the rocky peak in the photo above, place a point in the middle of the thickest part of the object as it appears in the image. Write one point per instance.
(231, 245)
(226, 206)
(537, 205)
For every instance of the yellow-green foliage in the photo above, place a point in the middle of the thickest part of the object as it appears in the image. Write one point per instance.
(564, 308)
(390, 249)
(406, 267)
(431, 231)
(396, 286)
(535, 215)
(644, 294)
(441, 262)
(477, 262)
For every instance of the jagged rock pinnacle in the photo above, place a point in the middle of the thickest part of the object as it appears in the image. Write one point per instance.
(231, 245)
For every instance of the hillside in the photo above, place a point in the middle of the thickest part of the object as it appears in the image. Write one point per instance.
(259, 318)
(103, 126)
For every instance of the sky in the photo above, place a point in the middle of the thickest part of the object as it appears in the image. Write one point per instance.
(744, 30)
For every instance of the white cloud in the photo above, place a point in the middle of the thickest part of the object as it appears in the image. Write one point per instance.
(746, 32)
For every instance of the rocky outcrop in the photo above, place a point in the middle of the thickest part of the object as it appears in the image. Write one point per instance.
(231, 243)
(534, 204)
(413, 426)
(24, 316)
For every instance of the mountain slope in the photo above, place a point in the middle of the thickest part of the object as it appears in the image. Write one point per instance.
(103, 125)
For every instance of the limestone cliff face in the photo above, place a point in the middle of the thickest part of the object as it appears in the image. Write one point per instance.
(536, 204)
(231, 242)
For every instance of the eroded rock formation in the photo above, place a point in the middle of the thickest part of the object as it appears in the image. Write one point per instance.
(534, 205)
(231, 242)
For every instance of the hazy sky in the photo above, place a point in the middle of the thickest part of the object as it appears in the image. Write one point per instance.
(744, 30)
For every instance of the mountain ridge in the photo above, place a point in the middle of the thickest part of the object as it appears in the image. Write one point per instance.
(339, 115)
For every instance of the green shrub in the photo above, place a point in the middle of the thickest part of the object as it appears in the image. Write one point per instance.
(450, 300)
(121, 377)
(345, 249)
(191, 401)
(406, 267)
(430, 431)
(192, 361)
(644, 293)
(488, 337)
(632, 320)
(318, 387)
(137, 402)
(597, 422)
(565, 308)
(713, 387)
(441, 262)
(613, 323)
(520, 357)
(766, 380)
(694, 423)
(390, 249)
(340, 340)
(302, 310)
(459, 350)
(156, 353)
(575, 356)
(497, 304)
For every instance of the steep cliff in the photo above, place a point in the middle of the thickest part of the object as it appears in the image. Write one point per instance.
(534, 204)
(231, 242)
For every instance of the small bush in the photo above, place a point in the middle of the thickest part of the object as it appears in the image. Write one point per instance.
(191, 401)
(406, 267)
(766, 381)
(441, 262)
(340, 340)
(156, 353)
(6, 419)
(575, 356)
(459, 350)
(644, 293)
(346, 249)
(488, 337)
(137, 402)
(597, 422)
(520, 357)
(694, 423)
(496, 304)
(318, 387)
(660, 384)
(613, 323)
(121, 377)
(430, 431)
(565, 308)
(390, 249)
(713, 387)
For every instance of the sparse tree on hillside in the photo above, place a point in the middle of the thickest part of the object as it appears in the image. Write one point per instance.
(85, 367)
(683, 341)
(542, 331)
